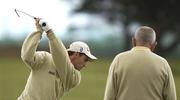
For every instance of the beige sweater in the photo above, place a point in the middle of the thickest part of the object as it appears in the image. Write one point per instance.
(139, 74)
(52, 74)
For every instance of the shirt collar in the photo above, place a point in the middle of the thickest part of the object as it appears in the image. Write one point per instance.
(141, 48)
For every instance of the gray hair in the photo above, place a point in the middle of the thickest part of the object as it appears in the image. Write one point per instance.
(145, 34)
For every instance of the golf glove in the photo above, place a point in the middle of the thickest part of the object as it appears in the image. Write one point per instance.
(44, 25)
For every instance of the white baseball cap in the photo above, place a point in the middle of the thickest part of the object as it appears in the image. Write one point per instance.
(81, 47)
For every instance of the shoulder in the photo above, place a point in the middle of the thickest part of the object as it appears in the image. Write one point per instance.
(162, 61)
(123, 54)
(121, 57)
(43, 53)
(43, 56)
(158, 57)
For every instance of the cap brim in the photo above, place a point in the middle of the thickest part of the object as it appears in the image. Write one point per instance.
(91, 56)
(88, 55)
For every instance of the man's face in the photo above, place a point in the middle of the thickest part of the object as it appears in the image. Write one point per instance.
(80, 60)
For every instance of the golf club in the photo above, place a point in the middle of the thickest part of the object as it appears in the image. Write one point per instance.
(16, 10)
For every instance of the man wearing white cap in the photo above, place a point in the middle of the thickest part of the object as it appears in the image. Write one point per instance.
(52, 73)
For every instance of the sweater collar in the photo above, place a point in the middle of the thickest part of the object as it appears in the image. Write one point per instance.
(141, 48)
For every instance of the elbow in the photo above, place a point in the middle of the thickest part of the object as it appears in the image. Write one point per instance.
(23, 54)
(25, 57)
(27, 60)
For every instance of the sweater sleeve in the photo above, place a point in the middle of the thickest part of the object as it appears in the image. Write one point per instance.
(66, 71)
(28, 52)
(169, 92)
(110, 91)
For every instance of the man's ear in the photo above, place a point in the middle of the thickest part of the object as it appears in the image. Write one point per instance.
(153, 46)
(133, 41)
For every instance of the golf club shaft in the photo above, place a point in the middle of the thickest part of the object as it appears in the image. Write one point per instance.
(16, 10)
(43, 24)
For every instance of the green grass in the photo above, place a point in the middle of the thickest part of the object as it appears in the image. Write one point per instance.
(14, 73)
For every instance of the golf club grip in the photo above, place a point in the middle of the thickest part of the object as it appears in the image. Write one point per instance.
(44, 24)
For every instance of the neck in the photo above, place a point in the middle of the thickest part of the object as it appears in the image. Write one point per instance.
(143, 45)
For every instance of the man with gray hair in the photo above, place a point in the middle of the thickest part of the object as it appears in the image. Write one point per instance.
(140, 74)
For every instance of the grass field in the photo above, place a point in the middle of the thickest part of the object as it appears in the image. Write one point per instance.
(13, 76)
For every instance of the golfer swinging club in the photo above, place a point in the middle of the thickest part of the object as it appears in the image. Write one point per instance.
(52, 73)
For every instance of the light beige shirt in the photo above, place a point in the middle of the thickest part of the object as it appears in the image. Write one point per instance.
(52, 74)
(139, 74)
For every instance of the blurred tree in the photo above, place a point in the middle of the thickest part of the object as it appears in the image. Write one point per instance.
(162, 15)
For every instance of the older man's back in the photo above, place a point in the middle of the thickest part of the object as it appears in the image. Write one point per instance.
(140, 74)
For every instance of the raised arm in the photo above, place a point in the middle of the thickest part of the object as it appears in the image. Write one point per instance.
(28, 51)
(68, 74)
